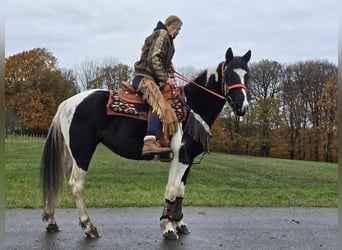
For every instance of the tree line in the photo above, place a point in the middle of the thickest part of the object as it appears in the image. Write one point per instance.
(292, 114)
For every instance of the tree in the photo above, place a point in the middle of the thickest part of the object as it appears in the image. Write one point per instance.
(328, 125)
(266, 79)
(317, 74)
(267, 120)
(86, 72)
(188, 71)
(302, 88)
(111, 77)
(34, 87)
(294, 110)
(105, 74)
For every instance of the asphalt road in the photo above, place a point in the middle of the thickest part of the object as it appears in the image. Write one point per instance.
(211, 228)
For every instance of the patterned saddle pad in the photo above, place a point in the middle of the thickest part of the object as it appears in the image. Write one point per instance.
(127, 103)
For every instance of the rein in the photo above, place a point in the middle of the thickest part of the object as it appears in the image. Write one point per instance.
(184, 78)
(224, 90)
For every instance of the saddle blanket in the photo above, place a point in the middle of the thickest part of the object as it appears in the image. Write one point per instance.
(129, 104)
(117, 105)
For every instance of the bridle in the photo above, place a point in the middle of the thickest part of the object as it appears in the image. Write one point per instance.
(224, 86)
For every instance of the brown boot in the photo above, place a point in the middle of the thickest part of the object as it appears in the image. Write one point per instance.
(152, 147)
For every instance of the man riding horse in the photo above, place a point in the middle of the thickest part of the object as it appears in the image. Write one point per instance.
(152, 72)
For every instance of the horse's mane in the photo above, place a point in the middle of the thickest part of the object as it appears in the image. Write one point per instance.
(201, 78)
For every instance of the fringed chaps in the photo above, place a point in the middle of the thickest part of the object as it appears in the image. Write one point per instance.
(153, 96)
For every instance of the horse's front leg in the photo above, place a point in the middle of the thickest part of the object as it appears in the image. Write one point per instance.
(181, 226)
(76, 184)
(174, 190)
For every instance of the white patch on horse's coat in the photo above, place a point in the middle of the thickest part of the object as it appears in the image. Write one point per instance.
(174, 187)
(76, 183)
(176, 141)
(245, 103)
(181, 190)
(241, 73)
(167, 226)
(210, 72)
(68, 112)
(180, 223)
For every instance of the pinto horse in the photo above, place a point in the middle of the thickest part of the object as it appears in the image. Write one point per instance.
(81, 123)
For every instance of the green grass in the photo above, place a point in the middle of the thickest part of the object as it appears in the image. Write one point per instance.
(220, 180)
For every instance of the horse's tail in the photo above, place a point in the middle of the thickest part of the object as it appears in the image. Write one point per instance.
(54, 161)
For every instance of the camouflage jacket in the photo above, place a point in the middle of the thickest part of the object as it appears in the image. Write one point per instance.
(156, 55)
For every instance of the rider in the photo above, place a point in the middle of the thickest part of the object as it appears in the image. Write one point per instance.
(153, 70)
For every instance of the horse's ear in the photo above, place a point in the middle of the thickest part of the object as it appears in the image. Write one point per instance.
(229, 55)
(247, 56)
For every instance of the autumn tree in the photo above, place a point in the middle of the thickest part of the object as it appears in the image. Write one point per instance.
(219, 142)
(302, 91)
(294, 110)
(34, 87)
(225, 132)
(267, 121)
(328, 126)
(318, 73)
(264, 88)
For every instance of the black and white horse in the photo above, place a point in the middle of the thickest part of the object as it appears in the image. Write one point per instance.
(81, 123)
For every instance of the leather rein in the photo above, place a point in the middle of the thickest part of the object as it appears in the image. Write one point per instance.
(224, 89)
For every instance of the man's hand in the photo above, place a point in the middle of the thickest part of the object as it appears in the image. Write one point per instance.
(172, 82)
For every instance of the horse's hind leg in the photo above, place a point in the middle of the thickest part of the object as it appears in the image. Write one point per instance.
(56, 164)
(49, 216)
(76, 183)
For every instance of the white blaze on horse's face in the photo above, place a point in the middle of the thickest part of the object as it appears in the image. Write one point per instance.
(241, 73)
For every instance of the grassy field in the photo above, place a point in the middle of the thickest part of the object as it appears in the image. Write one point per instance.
(220, 180)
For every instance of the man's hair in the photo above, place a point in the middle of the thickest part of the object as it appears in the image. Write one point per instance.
(172, 20)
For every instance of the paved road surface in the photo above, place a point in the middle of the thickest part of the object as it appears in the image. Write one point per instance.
(211, 228)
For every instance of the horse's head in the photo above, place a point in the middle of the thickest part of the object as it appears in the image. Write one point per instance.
(234, 79)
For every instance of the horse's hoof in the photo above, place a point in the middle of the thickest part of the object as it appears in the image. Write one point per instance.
(183, 229)
(52, 228)
(92, 233)
(170, 235)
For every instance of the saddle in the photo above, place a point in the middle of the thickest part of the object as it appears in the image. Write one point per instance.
(127, 102)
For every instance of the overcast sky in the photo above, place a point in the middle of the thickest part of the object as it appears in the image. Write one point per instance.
(73, 30)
